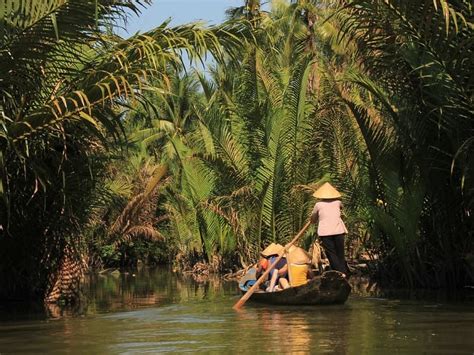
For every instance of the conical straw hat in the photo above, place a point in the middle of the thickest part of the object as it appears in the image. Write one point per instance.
(327, 191)
(298, 256)
(272, 249)
(291, 248)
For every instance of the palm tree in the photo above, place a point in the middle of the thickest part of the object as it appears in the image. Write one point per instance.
(65, 80)
(412, 60)
(246, 152)
(250, 11)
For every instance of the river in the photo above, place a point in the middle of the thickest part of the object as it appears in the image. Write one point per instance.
(156, 311)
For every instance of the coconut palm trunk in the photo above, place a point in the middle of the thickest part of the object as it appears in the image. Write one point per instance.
(65, 282)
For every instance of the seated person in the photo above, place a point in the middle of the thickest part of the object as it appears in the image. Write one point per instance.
(299, 266)
(278, 274)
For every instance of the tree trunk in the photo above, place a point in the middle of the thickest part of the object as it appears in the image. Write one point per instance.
(66, 282)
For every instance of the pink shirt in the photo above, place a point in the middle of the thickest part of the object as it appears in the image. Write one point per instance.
(328, 215)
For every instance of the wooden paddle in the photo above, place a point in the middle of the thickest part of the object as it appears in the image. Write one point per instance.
(252, 289)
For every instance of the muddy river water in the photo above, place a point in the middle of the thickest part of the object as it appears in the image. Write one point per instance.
(157, 311)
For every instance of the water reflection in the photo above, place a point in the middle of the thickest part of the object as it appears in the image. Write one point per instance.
(296, 330)
(289, 332)
(157, 311)
(145, 288)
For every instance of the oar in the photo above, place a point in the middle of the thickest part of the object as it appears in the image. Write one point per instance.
(252, 289)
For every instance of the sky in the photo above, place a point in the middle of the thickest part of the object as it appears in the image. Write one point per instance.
(180, 12)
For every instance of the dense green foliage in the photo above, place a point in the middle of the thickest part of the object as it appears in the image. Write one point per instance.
(416, 60)
(327, 91)
(110, 152)
(65, 79)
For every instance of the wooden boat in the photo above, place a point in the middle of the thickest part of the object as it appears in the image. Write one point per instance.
(330, 288)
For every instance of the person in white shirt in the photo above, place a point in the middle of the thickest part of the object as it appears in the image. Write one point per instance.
(331, 228)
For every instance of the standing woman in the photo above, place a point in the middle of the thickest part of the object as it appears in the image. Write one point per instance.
(331, 228)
